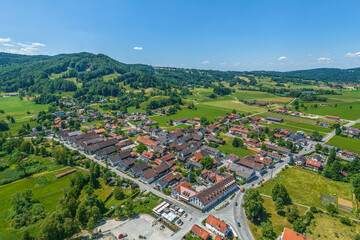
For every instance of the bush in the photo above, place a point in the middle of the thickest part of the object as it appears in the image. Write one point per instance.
(313, 209)
(345, 220)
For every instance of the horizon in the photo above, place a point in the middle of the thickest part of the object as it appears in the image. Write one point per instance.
(236, 36)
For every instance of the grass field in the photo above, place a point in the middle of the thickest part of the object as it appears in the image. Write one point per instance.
(202, 111)
(324, 227)
(228, 148)
(46, 164)
(289, 118)
(278, 222)
(47, 194)
(351, 144)
(308, 128)
(252, 95)
(233, 104)
(17, 108)
(342, 110)
(356, 126)
(306, 187)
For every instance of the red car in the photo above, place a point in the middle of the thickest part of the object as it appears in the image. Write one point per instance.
(122, 235)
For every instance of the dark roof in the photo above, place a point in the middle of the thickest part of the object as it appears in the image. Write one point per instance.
(216, 190)
(140, 167)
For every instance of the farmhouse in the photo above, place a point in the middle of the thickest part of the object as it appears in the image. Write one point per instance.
(332, 118)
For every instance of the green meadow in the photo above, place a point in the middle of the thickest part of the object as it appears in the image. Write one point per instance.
(19, 109)
(351, 144)
(47, 189)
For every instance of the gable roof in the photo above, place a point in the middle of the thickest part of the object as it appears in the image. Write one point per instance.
(199, 231)
(289, 234)
(217, 223)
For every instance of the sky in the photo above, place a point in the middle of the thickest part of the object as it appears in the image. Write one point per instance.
(241, 35)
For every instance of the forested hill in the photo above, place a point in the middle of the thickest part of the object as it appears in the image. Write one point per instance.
(323, 74)
(69, 71)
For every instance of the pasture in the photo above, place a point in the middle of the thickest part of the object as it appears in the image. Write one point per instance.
(351, 144)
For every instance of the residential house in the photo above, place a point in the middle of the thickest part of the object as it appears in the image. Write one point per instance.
(289, 234)
(137, 170)
(217, 226)
(200, 232)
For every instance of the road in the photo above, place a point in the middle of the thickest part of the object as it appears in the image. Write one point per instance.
(332, 134)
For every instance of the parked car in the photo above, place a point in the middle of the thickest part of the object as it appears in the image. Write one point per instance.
(236, 204)
(122, 235)
(190, 218)
(239, 224)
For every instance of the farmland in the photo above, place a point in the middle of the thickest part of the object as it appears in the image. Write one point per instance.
(233, 104)
(351, 144)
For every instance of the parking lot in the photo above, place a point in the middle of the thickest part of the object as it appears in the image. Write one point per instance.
(142, 225)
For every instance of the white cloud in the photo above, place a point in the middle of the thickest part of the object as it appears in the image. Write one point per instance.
(282, 58)
(138, 48)
(324, 59)
(5, 40)
(19, 48)
(205, 62)
(309, 55)
(353, 54)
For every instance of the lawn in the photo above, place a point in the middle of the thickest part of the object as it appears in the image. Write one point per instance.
(306, 187)
(356, 126)
(17, 108)
(342, 110)
(202, 111)
(278, 222)
(46, 189)
(351, 144)
(228, 148)
(299, 127)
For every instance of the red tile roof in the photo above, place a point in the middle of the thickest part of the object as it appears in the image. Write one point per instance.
(199, 231)
(217, 223)
(292, 235)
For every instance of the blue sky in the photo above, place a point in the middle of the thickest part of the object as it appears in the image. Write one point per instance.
(224, 34)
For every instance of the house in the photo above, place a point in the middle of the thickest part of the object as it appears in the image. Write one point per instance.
(249, 162)
(213, 152)
(138, 169)
(180, 121)
(196, 165)
(232, 158)
(168, 180)
(349, 155)
(187, 152)
(184, 192)
(242, 132)
(200, 232)
(215, 193)
(151, 175)
(289, 234)
(211, 176)
(126, 164)
(313, 164)
(114, 160)
(216, 140)
(242, 173)
(217, 226)
(147, 156)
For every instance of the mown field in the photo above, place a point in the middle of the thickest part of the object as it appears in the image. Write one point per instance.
(19, 109)
(234, 104)
(306, 187)
(342, 110)
(46, 189)
(351, 144)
